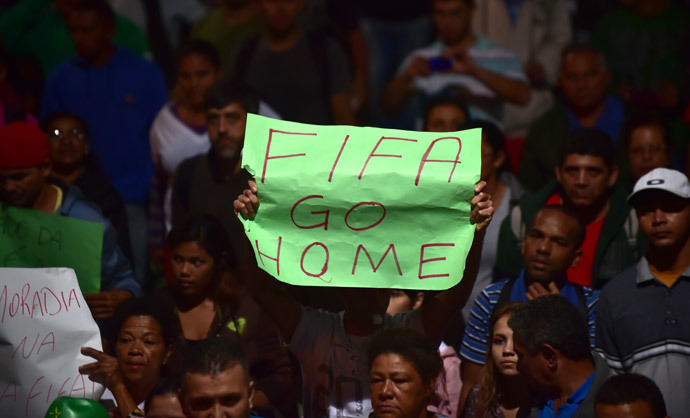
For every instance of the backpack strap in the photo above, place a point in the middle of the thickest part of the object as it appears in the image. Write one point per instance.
(504, 296)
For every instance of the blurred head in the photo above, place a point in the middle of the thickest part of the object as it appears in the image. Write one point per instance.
(164, 400)
(452, 19)
(552, 244)
(24, 164)
(445, 115)
(200, 253)
(493, 148)
(198, 67)
(586, 169)
(281, 15)
(547, 332)
(584, 77)
(648, 145)
(403, 367)
(661, 199)
(403, 300)
(91, 25)
(216, 381)
(361, 303)
(629, 396)
(68, 136)
(144, 338)
(226, 105)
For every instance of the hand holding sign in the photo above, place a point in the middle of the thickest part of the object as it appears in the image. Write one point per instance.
(105, 371)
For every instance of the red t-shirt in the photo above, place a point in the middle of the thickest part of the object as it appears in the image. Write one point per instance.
(582, 274)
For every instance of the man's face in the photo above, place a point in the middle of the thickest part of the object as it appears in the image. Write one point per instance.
(583, 80)
(585, 179)
(226, 395)
(664, 218)
(452, 19)
(550, 246)
(226, 129)
(532, 366)
(90, 33)
(281, 15)
(445, 118)
(647, 150)
(637, 409)
(22, 187)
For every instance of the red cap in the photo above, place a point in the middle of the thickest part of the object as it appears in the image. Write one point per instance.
(22, 145)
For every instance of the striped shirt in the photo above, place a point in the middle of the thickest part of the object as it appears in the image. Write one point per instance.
(643, 327)
(475, 342)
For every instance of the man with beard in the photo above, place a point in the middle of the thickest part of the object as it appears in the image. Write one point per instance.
(208, 183)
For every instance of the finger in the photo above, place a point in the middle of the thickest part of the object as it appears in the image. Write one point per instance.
(479, 198)
(554, 289)
(529, 296)
(93, 353)
(252, 186)
(479, 186)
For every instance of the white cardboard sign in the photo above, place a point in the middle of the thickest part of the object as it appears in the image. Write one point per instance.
(44, 321)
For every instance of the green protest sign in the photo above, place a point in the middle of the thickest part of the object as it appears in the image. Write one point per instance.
(361, 207)
(29, 238)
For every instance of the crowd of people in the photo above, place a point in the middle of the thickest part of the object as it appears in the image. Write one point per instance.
(573, 301)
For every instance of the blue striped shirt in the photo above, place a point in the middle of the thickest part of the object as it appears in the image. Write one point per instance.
(475, 341)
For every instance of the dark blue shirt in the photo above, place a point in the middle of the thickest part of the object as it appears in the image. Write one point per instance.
(610, 121)
(119, 102)
(568, 409)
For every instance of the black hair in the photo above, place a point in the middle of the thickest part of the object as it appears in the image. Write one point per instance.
(644, 120)
(443, 100)
(583, 48)
(551, 320)
(225, 92)
(100, 7)
(628, 388)
(202, 48)
(413, 346)
(581, 228)
(589, 141)
(166, 385)
(64, 114)
(208, 232)
(491, 133)
(151, 307)
(215, 355)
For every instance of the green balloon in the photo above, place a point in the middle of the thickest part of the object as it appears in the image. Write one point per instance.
(64, 407)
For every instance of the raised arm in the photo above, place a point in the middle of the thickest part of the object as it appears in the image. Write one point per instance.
(438, 311)
(283, 310)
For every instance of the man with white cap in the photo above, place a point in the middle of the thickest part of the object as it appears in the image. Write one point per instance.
(643, 317)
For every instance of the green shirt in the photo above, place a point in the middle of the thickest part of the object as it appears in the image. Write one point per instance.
(35, 28)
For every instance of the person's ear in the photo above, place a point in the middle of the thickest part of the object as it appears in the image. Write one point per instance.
(418, 300)
(500, 159)
(550, 356)
(168, 353)
(613, 177)
(251, 394)
(576, 259)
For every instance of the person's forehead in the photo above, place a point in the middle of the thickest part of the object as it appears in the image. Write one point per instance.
(553, 221)
(231, 380)
(233, 107)
(637, 409)
(584, 161)
(579, 59)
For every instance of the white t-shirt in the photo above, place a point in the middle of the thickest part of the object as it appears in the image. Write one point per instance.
(334, 363)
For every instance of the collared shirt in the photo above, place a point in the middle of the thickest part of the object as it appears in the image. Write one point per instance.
(610, 121)
(643, 327)
(571, 406)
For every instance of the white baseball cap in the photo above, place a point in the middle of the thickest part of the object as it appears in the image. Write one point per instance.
(665, 179)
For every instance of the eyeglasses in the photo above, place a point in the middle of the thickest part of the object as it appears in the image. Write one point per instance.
(76, 133)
